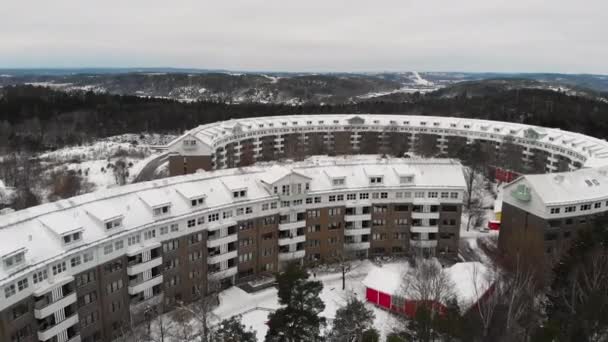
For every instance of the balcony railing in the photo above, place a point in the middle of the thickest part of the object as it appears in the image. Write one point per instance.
(50, 332)
(44, 311)
(140, 267)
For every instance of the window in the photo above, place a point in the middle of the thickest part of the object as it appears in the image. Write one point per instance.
(22, 284)
(585, 207)
(406, 179)
(340, 198)
(227, 214)
(114, 223)
(314, 229)
(453, 195)
(114, 286)
(240, 211)
(115, 306)
(75, 261)
(363, 195)
(570, 209)
(419, 194)
(85, 278)
(401, 222)
(265, 206)
(332, 198)
(191, 223)
(196, 238)
(433, 194)
(338, 181)
(40, 276)
(597, 205)
(164, 230)
(246, 257)
(107, 249)
(384, 195)
(285, 204)
(161, 210)
(273, 205)
(375, 180)
(314, 213)
(174, 227)
(14, 260)
(9, 290)
(213, 217)
(119, 245)
(171, 245)
(86, 257)
(134, 239)
(334, 211)
(285, 190)
(197, 201)
(351, 197)
(239, 194)
(88, 298)
(297, 202)
(445, 194)
(375, 195)
(72, 237)
(59, 267)
(555, 210)
(317, 199)
(149, 234)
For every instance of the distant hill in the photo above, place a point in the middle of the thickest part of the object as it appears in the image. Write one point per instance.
(188, 85)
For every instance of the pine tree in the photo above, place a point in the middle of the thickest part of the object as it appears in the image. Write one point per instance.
(299, 319)
(352, 322)
(232, 330)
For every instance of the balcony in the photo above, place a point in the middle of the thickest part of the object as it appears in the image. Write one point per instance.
(214, 259)
(135, 269)
(292, 240)
(292, 255)
(229, 272)
(360, 217)
(55, 306)
(138, 287)
(357, 245)
(58, 328)
(423, 243)
(422, 216)
(358, 231)
(216, 242)
(424, 229)
(292, 225)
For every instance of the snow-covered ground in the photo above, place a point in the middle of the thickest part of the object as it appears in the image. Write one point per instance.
(94, 163)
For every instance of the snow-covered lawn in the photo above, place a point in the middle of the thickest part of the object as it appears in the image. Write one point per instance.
(254, 308)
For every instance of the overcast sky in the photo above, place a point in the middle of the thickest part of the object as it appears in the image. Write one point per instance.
(308, 35)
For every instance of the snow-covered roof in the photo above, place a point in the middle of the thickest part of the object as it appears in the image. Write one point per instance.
(277, 172)
(471, 281)
(133, 202)
(387, 279)
(191, 190)
(582, 186)
(60, 223)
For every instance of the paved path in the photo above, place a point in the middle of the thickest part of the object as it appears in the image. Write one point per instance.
(149, 171)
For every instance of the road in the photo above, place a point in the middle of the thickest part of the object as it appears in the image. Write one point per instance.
(149, 171)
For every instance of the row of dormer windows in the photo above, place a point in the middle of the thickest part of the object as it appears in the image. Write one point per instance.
(582, 207)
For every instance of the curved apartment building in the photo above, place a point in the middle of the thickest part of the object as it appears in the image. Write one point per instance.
(242, 142)
(78, 269)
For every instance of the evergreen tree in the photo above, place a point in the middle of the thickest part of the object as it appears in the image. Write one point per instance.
(352, 322)
(232, 330)
(299, 319)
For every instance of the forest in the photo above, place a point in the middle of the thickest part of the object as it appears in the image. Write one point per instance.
(37, 119)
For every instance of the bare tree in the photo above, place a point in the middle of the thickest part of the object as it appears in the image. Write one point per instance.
(200, 312)
(473, 196)
(487, 307)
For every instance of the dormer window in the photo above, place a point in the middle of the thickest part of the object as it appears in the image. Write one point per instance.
(406, 179)
(197, 201)
(71, 238)
(375, 180)
(338, 181)
(161, 210)
(189, 142)
(111, 224)
(14, 259)
(239, 194)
